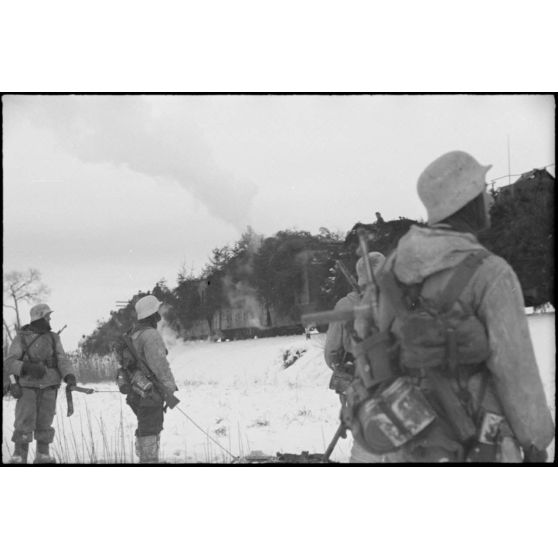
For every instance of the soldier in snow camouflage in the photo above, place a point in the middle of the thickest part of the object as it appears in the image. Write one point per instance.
(36, 363)
(148, 405)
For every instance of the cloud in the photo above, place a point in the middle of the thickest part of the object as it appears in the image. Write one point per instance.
(148, 138)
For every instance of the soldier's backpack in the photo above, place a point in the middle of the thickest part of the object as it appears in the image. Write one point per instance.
(438, 345)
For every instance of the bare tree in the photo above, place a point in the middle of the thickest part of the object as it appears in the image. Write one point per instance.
(22, 286)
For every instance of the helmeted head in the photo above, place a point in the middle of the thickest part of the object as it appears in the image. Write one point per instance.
(147, 306)
(40, 311)
(376, 260)
(449, 183)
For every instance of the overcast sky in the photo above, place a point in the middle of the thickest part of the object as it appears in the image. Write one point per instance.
(106, 195)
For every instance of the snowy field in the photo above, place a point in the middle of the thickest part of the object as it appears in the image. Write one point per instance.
(240, 394)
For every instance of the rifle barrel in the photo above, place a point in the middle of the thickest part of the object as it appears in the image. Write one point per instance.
(350, 279)
(321, 318)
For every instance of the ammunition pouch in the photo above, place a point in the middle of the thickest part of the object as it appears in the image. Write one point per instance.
(140, 384)
(375, 358)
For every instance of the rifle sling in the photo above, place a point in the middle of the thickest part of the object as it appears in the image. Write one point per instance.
(461, 276)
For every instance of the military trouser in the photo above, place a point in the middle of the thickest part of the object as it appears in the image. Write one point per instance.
(149, 413)
(34, 413)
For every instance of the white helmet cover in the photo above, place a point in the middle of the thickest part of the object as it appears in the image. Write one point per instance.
(39, 311)
(449, 183)
(147, 306)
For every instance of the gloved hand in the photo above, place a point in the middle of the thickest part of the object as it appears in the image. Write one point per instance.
(70, 380)
(16, 390)
(35, 370)
(340, 380)
(125, 388)
(535, 455)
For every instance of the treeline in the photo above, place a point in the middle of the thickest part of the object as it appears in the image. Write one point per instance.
(293, 271)
(522, 233)
(271, 271)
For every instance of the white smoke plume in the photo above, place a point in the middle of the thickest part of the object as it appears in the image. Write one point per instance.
(241, 294)
(147, 135)
(169, 335)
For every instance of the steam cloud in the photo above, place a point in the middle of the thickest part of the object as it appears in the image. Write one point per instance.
(147, 138)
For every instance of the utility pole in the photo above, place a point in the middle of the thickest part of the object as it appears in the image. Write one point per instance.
(509, 166)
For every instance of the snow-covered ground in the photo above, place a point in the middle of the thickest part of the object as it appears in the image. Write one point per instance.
(240, 394)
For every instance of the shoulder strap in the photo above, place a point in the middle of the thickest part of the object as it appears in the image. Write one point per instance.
(26, 347)
(129, 341)
(462, 274)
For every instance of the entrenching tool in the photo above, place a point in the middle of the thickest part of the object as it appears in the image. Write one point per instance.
(88, 391)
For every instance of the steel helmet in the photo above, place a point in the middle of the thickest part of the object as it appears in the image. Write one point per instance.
(376, 261)
(449, 183)
(40, 311)
(146, 306)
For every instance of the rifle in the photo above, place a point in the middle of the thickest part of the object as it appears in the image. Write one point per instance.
(365, 311)
(350, 279)
(372, 285)
(168, 397)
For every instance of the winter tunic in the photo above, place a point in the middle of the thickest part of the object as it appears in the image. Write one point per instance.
(43, 347)
(494, 296)
(150, 347)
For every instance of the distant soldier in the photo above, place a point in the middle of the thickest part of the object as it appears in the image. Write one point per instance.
(339, 345)
(144, 399)
(36, 365)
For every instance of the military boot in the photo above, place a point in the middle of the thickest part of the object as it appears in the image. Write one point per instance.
(148, 449)
(43, 457)
(19, 456)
